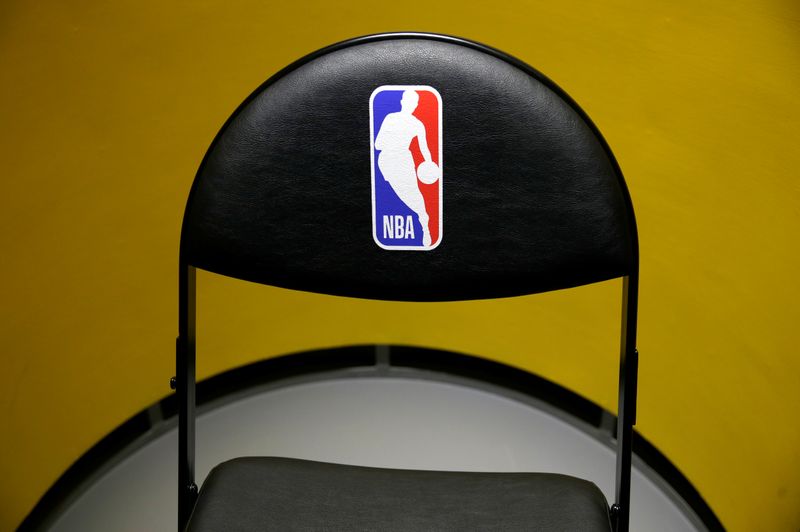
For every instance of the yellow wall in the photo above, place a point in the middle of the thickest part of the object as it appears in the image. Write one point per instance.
(106, 109)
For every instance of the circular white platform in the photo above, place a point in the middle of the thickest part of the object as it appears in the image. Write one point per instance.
(376, 421)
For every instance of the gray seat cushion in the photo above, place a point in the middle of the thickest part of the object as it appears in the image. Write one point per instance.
(288, 494)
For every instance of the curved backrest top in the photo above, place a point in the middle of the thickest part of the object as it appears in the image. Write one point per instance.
(410, 167)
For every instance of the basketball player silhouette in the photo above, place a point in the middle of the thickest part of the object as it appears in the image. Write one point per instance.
(396, 162)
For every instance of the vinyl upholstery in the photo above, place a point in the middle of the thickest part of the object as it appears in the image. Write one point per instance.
(284, 494)
(532, 198)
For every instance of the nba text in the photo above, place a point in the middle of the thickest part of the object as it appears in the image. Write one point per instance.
(397, 226)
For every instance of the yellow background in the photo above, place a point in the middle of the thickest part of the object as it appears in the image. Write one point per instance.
(106, 109)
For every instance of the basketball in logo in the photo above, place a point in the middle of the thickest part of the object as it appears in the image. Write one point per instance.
(406, 156)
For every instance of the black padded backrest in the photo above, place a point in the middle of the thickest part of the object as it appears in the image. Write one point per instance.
(532, 199)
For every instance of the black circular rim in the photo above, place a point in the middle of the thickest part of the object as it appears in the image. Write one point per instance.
(160, 417)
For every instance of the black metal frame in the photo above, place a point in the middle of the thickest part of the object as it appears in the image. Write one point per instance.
(185, 380)
(629, 357)
(185, 383)
(626, 406)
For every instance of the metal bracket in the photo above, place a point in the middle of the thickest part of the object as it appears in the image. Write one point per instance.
(614, 514)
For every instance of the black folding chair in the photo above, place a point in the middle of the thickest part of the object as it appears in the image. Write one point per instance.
(312, 184)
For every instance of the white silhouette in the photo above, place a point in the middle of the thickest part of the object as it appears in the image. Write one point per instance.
(395, 159)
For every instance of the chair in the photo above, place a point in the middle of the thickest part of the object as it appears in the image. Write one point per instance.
(312, 185)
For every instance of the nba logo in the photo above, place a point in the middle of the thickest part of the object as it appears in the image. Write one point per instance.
(406, 156)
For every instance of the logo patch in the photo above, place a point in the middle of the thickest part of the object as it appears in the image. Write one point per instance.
(406, 153)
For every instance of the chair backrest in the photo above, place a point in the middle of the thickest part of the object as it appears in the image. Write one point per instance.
(303, 185)
(531, 197)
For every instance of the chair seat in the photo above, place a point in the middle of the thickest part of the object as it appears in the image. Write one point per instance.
(288, 494)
